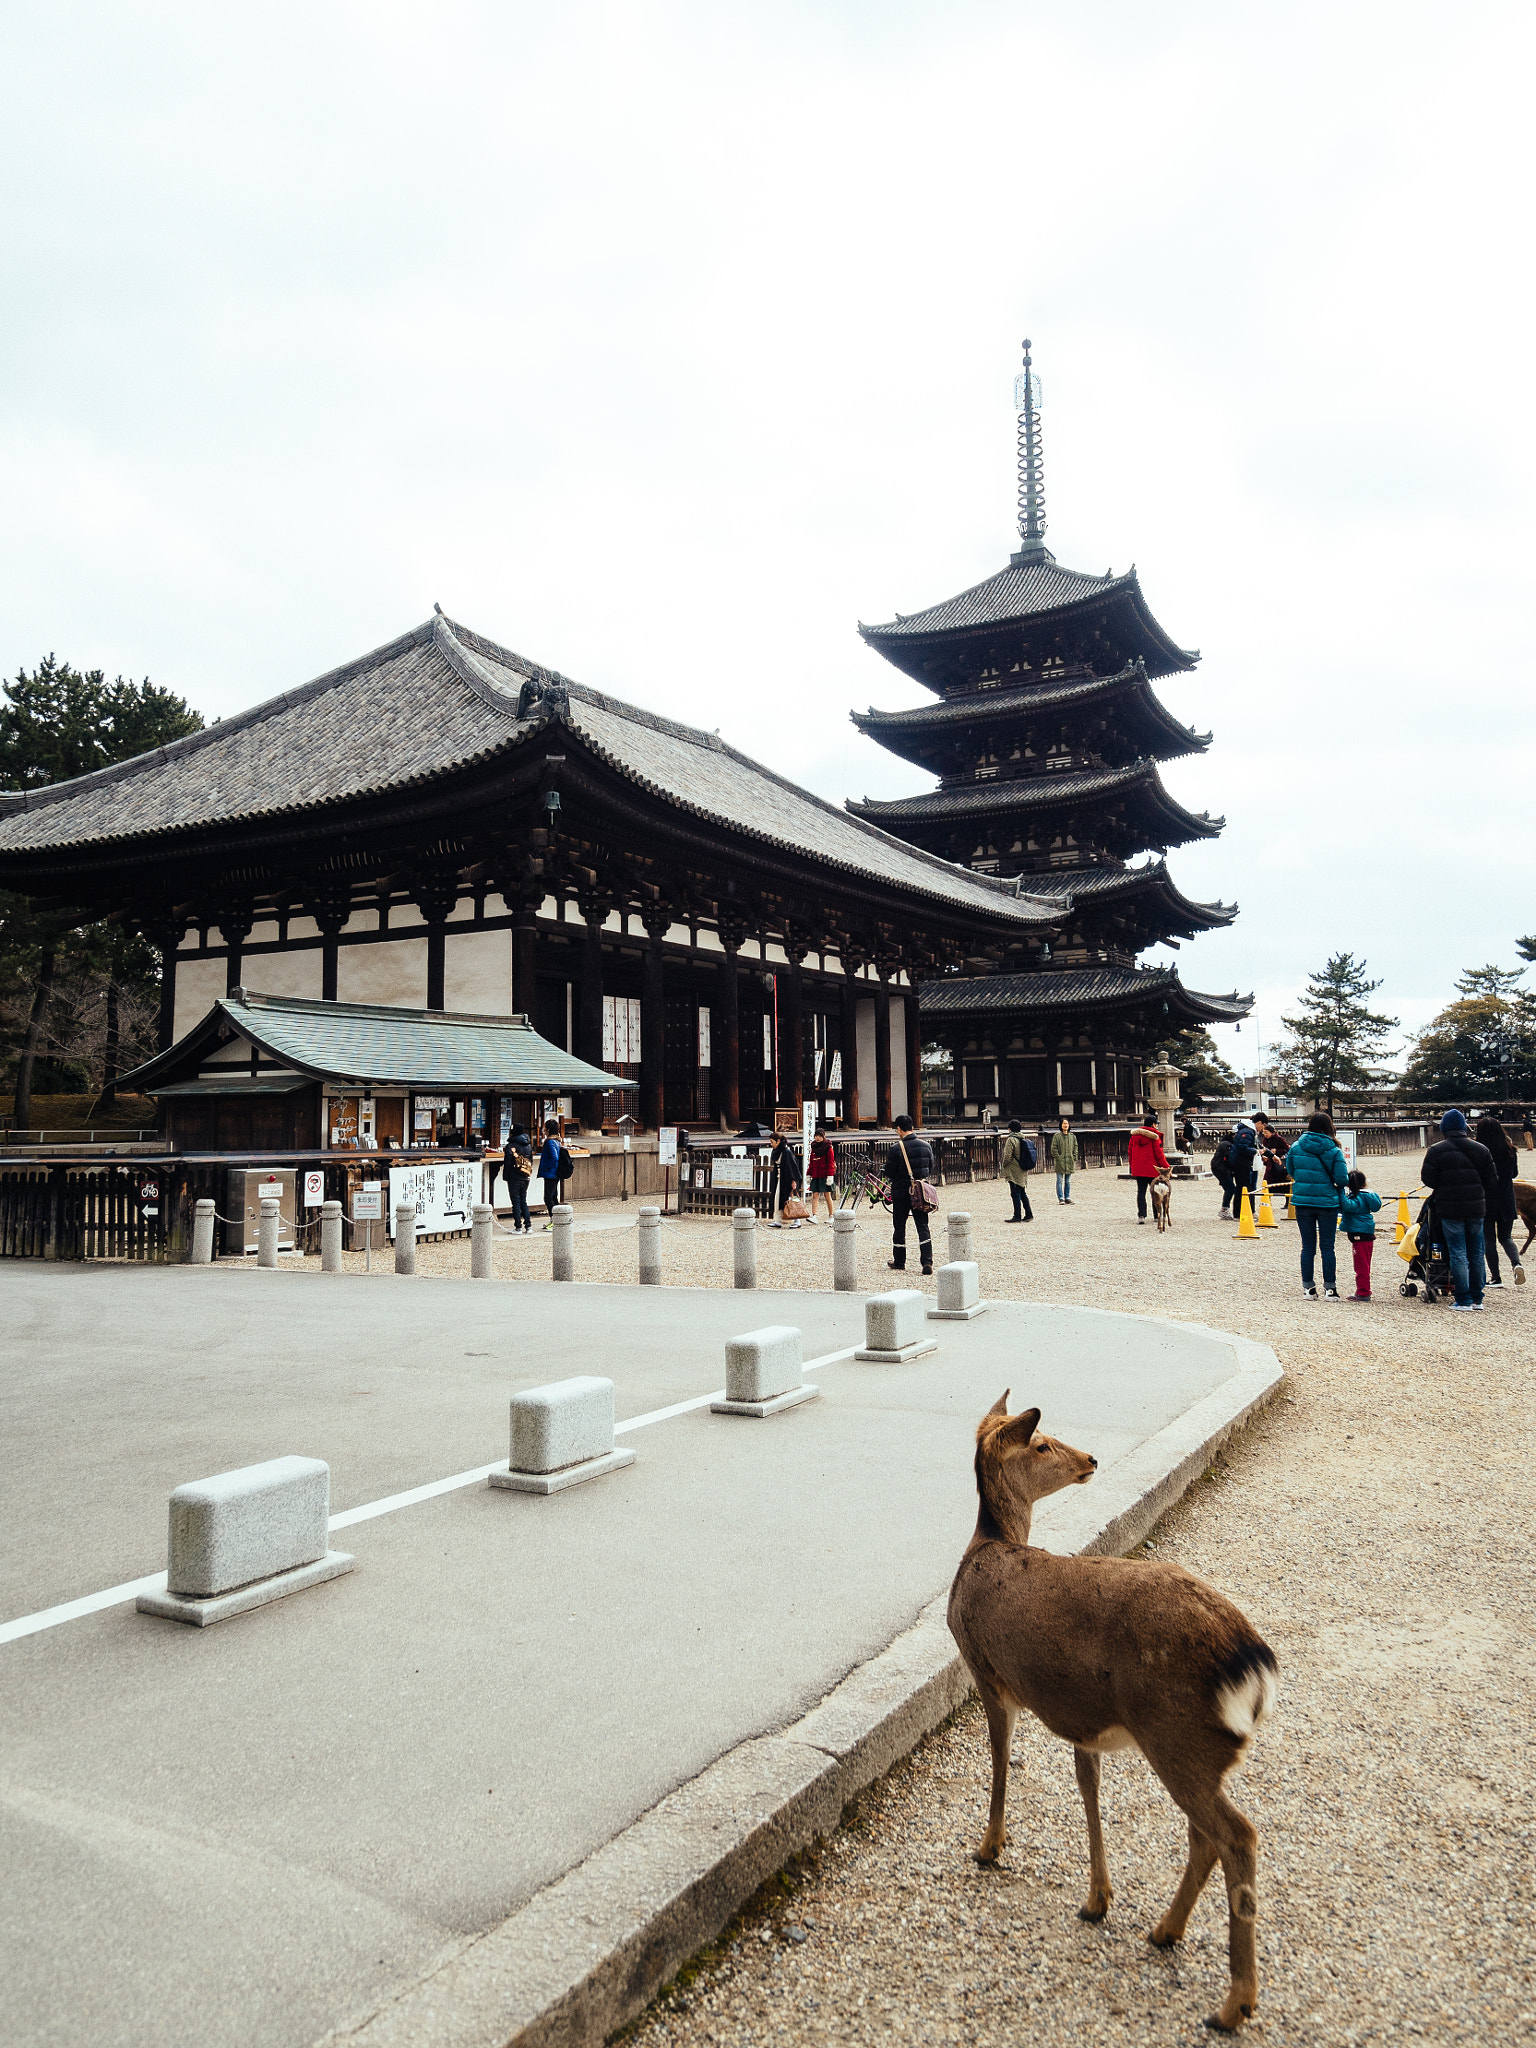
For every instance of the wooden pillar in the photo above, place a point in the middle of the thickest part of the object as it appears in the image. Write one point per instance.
(234, 928)
(914, 1062)
(850, 1047)
(883, 1053)
(589, 1017)
(653, 1027)
(791, 1040)
(437, 948)
(166, 938)
(727, 1048)
(524, 935)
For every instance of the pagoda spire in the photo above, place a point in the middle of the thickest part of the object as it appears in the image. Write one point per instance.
(1026, 401)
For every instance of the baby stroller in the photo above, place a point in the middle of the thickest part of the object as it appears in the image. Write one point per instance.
(1429, 1269)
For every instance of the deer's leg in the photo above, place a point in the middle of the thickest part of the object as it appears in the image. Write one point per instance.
(1237, 1843)
(1100, 1890)
(1203, 1855)
(1000, 1720)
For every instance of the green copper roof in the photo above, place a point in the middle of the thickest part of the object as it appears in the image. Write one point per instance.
(371, 1042)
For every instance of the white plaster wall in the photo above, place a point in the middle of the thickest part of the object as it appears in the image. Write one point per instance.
(284, 974)
(899, 1103)
(199, 984)
(869, 1095)
(393, 971)
(477, 972)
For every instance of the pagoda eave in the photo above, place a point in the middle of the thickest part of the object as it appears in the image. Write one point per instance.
(1079, 989)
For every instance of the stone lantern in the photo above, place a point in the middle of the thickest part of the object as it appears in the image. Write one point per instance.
(1163, 1092)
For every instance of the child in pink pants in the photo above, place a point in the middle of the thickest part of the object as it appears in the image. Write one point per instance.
(1357, 1213)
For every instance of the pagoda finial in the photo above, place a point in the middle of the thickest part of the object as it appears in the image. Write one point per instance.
(1026, 403)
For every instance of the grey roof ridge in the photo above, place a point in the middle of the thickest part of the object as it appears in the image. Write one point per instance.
(583, 693)
(1151, 870)
(1143, 769)
(1100, 585)
(12, 801)
(955, 710)
(390, 1013)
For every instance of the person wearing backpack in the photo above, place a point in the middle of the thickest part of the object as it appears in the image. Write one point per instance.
(516, 1170)
(1015, 1157)
(549, 1170)
(1221, 1173)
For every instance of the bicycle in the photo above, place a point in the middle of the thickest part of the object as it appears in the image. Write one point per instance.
(874, 1185)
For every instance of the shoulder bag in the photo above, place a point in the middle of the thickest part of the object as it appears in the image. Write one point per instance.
(925, 1196)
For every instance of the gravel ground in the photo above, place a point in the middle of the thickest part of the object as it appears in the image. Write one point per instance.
(1374, 1525)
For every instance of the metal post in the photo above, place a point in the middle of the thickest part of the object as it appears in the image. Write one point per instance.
(405, 1237)
(202, 1233)
(267, 1230)
(744, 1246)
(562, 1241)
(650, 1247)
(845, 1251)
(482, 1222)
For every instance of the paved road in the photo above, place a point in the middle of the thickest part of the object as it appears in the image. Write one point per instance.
(243, 1834)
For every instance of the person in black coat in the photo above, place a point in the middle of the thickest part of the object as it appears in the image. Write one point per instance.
(783, 1179)
(909, 1159)
(1221, 1173)
(1499, 1223)
(517, 1147)
(1459, 1175)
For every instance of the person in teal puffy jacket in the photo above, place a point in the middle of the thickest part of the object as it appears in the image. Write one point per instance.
(1319, 1172)
(1357, 1212)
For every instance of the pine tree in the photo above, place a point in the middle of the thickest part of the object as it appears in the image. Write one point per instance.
(1480, 1048)
(1334, 1037)
(1206, 1073)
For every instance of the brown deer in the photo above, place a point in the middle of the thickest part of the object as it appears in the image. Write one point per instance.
(1162, 1204)
(1112, 1653)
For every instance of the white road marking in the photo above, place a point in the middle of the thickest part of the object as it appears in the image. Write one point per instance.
(118, 1596)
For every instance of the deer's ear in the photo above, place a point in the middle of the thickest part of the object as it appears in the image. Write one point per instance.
(1021, 1429)
(1000, 1405)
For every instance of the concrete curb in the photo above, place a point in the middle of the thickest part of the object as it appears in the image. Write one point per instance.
(589, 1952)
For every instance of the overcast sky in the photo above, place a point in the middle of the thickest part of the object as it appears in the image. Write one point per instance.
(665, 343)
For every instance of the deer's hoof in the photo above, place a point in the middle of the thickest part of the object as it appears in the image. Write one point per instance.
(1230, 2018)
(1163, 1937)
(1091, 1913)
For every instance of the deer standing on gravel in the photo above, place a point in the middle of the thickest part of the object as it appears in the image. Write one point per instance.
(1112, 1654)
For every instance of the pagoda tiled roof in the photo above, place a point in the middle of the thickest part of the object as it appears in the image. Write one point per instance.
(1028, 794)
(1005, 705)
(437, 701)
(1077, 988)
(1033, 588)
(1072, 887)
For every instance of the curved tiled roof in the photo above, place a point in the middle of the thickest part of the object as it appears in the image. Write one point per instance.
(1077, 988)
(437, 700)
(1025, 700)
(1071, 887)
(1028, 793)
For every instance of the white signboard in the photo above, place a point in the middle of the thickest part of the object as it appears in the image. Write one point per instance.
(314, 1190)
(733, 1173)
(368, 1204)
(1347, 1146)
(808, 1118)
(703, 1036)
(666, 1145)
(444, 1193)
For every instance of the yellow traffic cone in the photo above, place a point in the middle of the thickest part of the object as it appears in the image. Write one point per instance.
(1266, 1211)
(1403, 1218)
(1245, 1217)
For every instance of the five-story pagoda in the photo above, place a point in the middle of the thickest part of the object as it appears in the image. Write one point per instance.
(1046, 739)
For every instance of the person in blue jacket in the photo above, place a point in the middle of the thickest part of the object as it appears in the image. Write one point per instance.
(548, 1171)
(1319, 1172)
(1357, 1213)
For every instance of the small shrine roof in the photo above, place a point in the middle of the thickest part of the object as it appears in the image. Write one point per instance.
(371, 1042)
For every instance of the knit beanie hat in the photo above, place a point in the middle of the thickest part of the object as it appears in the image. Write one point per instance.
(1452, 1124)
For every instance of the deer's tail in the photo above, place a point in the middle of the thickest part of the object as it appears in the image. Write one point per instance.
(1246, 1687)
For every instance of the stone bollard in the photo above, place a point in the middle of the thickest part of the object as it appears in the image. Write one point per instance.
(763, 1373)
(650, 1247)
(893, 1327)
(243, 1538)
(845, 1251)
(959, 1293)
(482, 1223)
(330, 1237)
(267, 1230)
(960, 1236)
(564, 1242)
(744, 1246)
(405, 1237)
(561, 1434)
(202, 1233)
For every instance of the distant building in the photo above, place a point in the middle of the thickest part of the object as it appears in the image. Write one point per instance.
(1046, 739)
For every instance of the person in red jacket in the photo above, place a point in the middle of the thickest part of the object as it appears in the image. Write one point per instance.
(1149, 1162)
